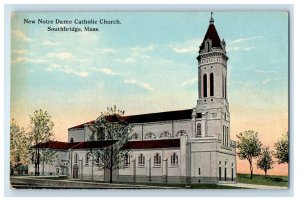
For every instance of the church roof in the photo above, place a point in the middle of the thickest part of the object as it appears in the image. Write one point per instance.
(56, 145)
(94, 144)
(213, 35)
(148, 144)
(151, 117)
(153, 144)
(161, 116)
(74, 145)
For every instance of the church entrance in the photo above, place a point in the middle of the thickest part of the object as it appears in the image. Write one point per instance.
(75, 172)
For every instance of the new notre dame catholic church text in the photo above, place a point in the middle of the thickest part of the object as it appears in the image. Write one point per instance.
(176, 146)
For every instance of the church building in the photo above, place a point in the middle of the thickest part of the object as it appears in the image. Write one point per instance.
(188, 146)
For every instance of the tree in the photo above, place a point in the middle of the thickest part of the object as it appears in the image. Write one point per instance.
(111, 132)
(282, 149)
(19, 147)
(41, 131)
(47, 157)
(265, 160)
(249, 147)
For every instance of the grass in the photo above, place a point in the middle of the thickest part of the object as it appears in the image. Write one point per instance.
(270, 180)
(194, 186)
(53, 177)
(44, 177)
(177, 185)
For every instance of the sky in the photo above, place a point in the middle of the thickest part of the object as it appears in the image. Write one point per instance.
(148, 64)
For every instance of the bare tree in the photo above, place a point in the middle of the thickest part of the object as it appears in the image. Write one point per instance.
(265, 160)
(41, 131)
(249, 147)
(282, 149)
(111, 132)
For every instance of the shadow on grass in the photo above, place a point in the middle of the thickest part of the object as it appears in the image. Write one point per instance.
(271, 180)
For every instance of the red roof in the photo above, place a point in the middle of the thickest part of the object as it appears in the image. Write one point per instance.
(153, 144)
(56, 145)
(151, 117)
(74, 145)
(80, 126)
(94, 144)
(149, 144)
(212, 34)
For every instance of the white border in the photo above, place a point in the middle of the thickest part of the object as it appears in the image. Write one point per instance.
(204, 7)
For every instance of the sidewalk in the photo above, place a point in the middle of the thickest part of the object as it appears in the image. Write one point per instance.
(255, 186)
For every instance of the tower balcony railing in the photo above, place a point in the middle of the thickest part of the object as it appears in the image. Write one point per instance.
(204, 139)
(206, 100)
(210, 100)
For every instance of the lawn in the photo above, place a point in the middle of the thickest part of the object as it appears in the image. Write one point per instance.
(178, 185)
(52, 177)
(271, 180)
(196, 186)
(43, 177)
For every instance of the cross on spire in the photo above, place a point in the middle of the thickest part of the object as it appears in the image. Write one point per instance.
(211, 21)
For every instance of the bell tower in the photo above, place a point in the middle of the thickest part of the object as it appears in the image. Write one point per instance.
(212, 118)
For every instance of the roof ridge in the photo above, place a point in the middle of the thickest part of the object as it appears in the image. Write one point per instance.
(76, 145)
(166, 115)
(158, 112)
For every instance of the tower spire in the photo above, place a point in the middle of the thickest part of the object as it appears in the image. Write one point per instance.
(211, 21)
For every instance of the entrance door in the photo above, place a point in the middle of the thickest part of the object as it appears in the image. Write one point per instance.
(220, 173)
(231, 174)
(75, 172)
(225, 174)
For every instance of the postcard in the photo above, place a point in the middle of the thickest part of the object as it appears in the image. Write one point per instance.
(149, 100)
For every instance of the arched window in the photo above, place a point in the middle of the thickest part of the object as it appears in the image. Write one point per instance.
(150, 135)
(97, 158)
(127, 160)
(165, 134)
(157, 159)
(211, 84)
(33, 158)
(76, 158)
(204, 85)
(135, 136)
(199, 129)
(223, 135)
(141, 160)
(225, 88)
(208, 46)
(227, 136)
(71, 140)
(181, 133)
(87, 158)
(174, 159)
